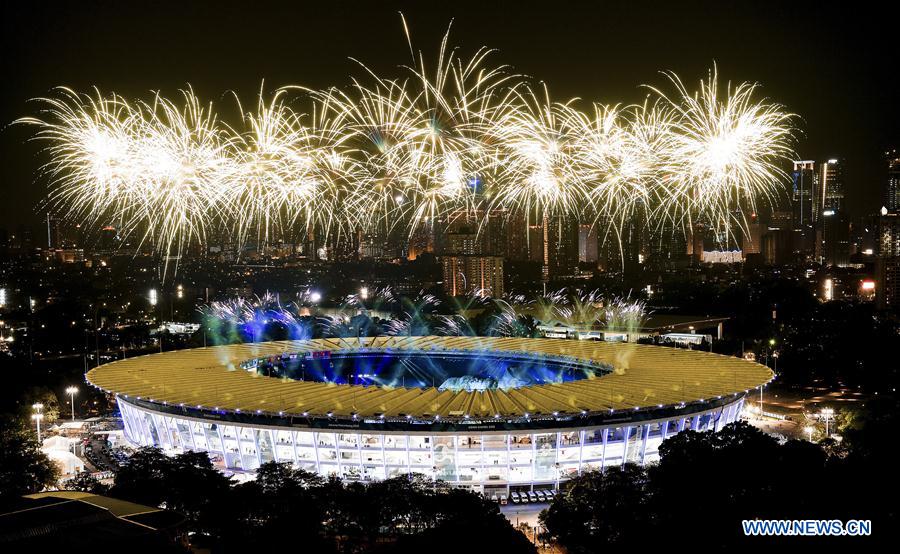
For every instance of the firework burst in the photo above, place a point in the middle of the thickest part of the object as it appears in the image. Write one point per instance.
(459, 139)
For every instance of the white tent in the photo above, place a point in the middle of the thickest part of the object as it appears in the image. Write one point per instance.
(67, 462)
(58, 443)
(73, 425)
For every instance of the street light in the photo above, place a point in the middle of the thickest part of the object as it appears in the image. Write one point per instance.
(827, 414)
(37, 420)
(37, 416)
(809, 431)
(71, 392)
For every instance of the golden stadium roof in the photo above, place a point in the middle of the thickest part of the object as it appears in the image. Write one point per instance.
(643, 377)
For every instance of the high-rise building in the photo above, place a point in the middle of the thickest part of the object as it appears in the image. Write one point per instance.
(831, 186)
(892, 186)
(462, 241)
(561, 245)
(588, 243)
(888, 235)
(517, 238)
(887, 265)
(804, 208)
(835, 238)
(475, 233)
(751, 239)
(664, 247)
(473, 274)
(804, 183)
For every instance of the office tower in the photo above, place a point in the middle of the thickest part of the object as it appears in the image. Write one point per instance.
(835, 238)
(831, 186)
(588, 243)
(609, 252)
(517, 239)
(109, 239)
(804, 183)
(887, 265)
(888, 235)
(804, 208)
(751, 239)
(664, 247)
(561, 246)
(892, 185)
(535, 243)
(778, 240)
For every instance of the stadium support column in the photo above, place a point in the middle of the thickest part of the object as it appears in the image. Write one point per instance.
(222, 445)
(294, 448)
(315, 441)
(646, 431)
(255, 434)
(581, 450)
(190, 427)
(384, 458)
(625, 436)
(362, 466)
(605, 437)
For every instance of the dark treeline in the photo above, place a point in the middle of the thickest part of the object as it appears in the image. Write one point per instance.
(707, 483)
(286, 507)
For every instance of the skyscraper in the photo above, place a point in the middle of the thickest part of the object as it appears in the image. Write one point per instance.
(887, 289)
(831, 186)
(832, 228)
(751, 239)
(473, 274)
(892, 186)
(804, 208)
(561, 246)
(588, 241)
(835, 238)
(804, 183)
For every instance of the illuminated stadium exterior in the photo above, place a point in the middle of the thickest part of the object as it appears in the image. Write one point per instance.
(552, 409)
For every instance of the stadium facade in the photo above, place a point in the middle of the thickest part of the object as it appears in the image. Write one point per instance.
(535, 434)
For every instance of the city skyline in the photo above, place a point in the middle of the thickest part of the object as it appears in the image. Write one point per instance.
(605, 73)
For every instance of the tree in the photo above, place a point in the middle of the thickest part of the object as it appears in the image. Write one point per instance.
(187, 483)
(85, 482)
(608, 507)
(281, 506)
(24, 468)
(709, 482)
(44, 396)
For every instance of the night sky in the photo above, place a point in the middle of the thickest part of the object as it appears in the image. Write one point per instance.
(835, 65)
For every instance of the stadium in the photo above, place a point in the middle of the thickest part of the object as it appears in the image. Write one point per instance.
(495, 415)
